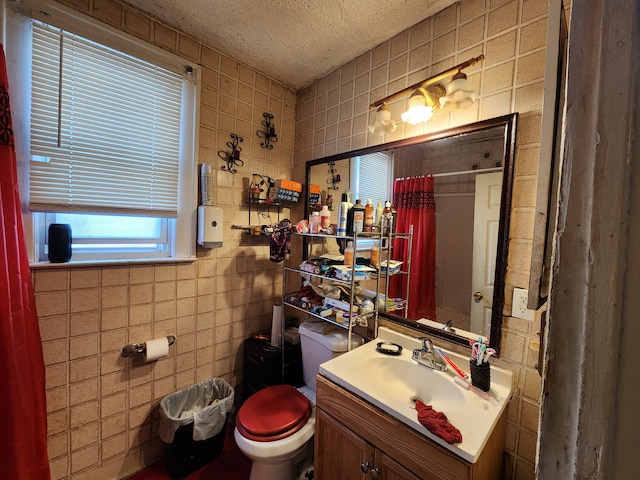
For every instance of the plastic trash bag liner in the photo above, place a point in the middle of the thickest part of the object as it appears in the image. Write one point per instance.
(204, 404)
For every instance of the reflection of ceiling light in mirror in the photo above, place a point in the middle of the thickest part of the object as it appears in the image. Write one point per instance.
(459, 94)
(383, 123)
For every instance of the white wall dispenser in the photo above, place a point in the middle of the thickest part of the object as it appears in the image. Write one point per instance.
(210, 223)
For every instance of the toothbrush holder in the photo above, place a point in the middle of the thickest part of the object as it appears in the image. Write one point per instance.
(480, 375)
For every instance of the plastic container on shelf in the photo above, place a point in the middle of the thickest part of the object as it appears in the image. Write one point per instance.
(325, 218)
(356, 217)
(378, 219)
(368, 216)
(348, 254)
(374, 258)
(314, 223)
(388, 219)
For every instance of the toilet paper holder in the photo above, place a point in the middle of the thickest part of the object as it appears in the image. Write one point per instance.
(132, 348)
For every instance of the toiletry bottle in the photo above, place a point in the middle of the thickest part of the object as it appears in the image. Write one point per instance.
(325, 218)
(378, 219)
(314, 225)
(343, 209)
(349, 202)
(387, 218)
(358, 217)
(348, 254)
(368, 216)
(374, 259)
(394, 219)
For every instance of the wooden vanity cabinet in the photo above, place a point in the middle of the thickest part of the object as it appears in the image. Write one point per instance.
(351, 433)
(346, 455)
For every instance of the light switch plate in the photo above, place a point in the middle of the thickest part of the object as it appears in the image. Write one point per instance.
(519, 306)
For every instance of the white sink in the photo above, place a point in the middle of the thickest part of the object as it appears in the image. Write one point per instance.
(393, 382)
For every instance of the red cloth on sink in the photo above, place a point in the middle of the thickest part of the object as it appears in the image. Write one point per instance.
(437, 423)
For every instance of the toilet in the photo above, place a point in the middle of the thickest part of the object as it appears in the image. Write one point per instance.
(275, 426)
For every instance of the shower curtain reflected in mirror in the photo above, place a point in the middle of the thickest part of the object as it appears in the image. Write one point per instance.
(413, 199)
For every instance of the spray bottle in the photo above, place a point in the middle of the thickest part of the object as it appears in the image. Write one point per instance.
(343, 210)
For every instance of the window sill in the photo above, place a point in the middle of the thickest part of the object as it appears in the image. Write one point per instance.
(109, 263)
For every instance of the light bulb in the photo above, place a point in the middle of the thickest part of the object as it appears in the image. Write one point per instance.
(419, 111)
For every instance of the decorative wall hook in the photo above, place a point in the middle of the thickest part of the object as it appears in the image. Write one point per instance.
(335, 177)
(233, 158)
(269, 133)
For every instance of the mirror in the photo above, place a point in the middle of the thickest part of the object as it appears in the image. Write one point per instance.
(456, 158)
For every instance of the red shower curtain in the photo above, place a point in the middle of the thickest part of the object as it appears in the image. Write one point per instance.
(23, 428)
(415, 205)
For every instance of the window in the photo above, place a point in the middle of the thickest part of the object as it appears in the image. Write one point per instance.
(372, 177)
(111, 145)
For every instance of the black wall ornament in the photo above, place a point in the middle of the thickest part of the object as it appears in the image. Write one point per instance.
(233, 158)
(269, 133)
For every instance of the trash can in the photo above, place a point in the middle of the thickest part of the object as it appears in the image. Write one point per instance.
(192, 425)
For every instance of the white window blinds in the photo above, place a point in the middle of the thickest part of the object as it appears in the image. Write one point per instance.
(374, 177)
(105, 129)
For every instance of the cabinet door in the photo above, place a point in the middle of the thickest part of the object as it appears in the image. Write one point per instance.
(389, 469)
(339, 453)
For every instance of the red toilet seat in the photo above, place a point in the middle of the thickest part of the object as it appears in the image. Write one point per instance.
(273, 413)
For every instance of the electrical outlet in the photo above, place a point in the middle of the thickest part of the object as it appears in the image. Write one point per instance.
(519, 306)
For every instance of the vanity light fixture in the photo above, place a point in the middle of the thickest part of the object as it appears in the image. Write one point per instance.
(232, 158)
(383, 123)
(269, 133)
(459, 93)
(427, 96)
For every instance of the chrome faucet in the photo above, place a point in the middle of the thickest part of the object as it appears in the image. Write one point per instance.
(448, 327)
(427, 356)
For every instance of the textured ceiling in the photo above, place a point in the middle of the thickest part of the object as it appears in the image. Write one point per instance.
(293, 41)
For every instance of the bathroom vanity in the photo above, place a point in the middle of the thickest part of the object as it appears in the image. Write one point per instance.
(366, 424)
(354, 437)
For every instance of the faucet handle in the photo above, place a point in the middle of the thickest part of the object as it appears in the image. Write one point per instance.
(427, 344)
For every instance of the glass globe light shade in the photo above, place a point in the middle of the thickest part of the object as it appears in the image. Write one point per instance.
(418, 111)
(383, 123)
(459, 94)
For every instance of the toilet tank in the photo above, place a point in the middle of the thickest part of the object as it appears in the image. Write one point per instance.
(320, 342)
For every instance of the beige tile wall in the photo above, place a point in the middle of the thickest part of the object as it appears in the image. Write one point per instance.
(102, 408)
(332, 117)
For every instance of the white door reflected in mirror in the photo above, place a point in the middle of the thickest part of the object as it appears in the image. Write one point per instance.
(486, 220)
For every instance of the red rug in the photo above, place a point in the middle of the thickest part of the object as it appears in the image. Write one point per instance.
(230, 465)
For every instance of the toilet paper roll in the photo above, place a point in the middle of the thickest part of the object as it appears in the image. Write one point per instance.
(156, 349)
(276, 326)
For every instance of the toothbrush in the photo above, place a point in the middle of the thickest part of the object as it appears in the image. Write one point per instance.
(451, 363)
(487, 353)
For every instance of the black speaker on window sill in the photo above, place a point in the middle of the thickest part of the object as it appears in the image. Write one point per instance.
(59, 242)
